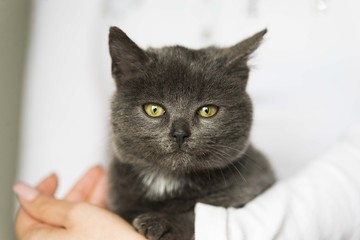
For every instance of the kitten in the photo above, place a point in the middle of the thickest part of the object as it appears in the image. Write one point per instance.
(181, 120)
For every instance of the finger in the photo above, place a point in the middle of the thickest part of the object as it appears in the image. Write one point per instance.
(41, 206)
(24, 222)
(48, 185)
(45, 233)
(84, 187)
(99, 193)
(30, 227)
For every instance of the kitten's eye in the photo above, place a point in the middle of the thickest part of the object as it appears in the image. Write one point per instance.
(208, 111)
(154, 110)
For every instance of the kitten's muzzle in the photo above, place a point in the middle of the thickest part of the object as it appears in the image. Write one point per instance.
(180, 131)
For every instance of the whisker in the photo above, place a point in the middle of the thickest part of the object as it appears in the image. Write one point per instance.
(222, 173)
(244, 153)
(242, 164)
(218, 154)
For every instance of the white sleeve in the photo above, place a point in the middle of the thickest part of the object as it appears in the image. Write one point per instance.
(321, 202)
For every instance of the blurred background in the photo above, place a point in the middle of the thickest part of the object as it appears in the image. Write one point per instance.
(14, 27)
(56, 85)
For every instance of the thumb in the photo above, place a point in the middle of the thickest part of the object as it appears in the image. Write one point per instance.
(42, 206)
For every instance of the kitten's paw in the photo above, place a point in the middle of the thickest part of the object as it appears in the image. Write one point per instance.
(154, 226)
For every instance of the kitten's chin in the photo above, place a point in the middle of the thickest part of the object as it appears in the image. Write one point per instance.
(179, 160)
(182, 162)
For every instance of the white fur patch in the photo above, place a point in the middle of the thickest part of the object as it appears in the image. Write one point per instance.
(159, 185)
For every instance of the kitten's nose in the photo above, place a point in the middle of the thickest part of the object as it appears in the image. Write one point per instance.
(180, 135)
(180, 130)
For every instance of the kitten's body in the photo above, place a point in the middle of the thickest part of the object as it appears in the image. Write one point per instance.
(155, 180)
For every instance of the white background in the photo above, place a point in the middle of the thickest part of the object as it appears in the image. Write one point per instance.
(305, 82)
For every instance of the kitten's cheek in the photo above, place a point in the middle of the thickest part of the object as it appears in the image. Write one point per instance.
(190, 145)
(165, 144)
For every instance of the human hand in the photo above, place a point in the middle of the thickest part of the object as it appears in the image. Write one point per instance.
(81, 215)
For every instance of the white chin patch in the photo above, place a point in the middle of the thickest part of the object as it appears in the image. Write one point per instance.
(159, 185)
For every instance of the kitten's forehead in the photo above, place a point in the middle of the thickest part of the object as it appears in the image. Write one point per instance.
(184, 77)
(184, 74)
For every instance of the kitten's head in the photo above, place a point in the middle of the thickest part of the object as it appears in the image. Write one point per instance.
(177, 109)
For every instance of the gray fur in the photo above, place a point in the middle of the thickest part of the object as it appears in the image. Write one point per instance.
(154, 181)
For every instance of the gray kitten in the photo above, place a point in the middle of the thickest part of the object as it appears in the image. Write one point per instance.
(181, 120)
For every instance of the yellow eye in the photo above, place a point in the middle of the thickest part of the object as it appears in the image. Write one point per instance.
(208, 111)
(154, 110)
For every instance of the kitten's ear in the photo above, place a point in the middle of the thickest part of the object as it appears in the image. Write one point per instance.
(127, 58)
(245, 48)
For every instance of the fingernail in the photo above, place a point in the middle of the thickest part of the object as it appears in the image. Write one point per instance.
(98, 166)
(53, 174)
(25, 192)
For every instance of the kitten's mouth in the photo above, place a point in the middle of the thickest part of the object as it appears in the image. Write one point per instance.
(180, 151)
(179, 148)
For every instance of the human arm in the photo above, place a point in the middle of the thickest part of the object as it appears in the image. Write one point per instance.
(321, 202)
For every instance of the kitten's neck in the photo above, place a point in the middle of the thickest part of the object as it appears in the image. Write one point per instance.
(159, 185)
